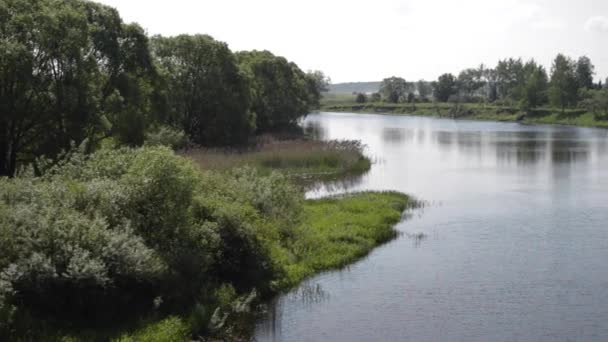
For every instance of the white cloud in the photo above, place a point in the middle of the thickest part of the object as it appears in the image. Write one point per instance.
(597, 24)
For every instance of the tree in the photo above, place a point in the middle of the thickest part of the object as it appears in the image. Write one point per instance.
(510, 78)
(411, 98)
(393, 89)
(563, 87)
(361, 98)
(424, 89)
(490, 77)
(469, 82)
(318, 84)
(207, 94)
(282, 93)
(534, 91)
(445, 87)
(596, 102)
(71, 70)
(376, 97)
(584, 72)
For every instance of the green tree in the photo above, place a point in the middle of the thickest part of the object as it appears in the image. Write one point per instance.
(584, 72)
(70, 70)
(393, 89)
(206, 92)
(282, 93)
(469, 82)
(534, 92)
(376, 97)
(510, 78)
(318, 84)
(563, 87)
(445, 87)
(424, 89)
(361, 98)
(596, 101)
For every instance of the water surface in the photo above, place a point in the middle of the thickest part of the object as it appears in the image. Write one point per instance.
(516, 245)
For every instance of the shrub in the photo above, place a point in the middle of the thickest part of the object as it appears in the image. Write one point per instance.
(167, 136)
(96, 234)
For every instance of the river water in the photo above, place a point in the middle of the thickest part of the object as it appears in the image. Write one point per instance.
(515, 244)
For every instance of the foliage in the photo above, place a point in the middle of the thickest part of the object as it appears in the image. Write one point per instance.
(361, 98)
(596, 102)
(281, 92)
(534, 91)
(171, 329)
(95, 79)
(394, 89)
(119, 228)
(445, 87)
(563, 88)
(206, 93)
(424, 89)
(166, 136)
(584, 73)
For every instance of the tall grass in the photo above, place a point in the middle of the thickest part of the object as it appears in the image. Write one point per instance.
(301, 158)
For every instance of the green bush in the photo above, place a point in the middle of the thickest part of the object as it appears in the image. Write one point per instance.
(167, 136)
(96, 234)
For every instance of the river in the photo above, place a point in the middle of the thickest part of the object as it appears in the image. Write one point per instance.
(514, 245)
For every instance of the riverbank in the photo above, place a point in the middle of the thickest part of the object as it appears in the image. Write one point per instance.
(333, 233)
(194, 246)
(475, 111)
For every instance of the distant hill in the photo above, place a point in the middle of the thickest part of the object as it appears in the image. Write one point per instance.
(357, 87)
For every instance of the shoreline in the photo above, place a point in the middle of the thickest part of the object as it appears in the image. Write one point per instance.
(475, 112)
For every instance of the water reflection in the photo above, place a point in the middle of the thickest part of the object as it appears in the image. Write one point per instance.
(517, 147)
(307, 294)
(513, 249)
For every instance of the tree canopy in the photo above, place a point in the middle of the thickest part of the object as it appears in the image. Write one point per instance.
(207, 94)
(73, 71)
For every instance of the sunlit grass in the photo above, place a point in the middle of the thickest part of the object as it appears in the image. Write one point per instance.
(336, 231)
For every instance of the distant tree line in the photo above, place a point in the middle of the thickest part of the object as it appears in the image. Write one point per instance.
(569, 84)
(72, 71)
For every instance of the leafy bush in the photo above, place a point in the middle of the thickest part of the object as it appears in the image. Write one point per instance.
(167, 136)
(120, 228)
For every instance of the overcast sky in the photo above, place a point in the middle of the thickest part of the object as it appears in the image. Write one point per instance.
(355, 40)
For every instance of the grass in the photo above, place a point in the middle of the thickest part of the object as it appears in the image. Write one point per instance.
(336, 231)
(299, 158)
(474, 111)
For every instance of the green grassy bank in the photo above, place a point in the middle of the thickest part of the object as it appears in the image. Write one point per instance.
(475, 111)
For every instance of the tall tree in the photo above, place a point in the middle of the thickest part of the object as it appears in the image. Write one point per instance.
(207, 94)
(470, 81)
(534, 92)
(584, 72)
(564, 86)
(394, 89)
(424, 89)
(70, 70)
(445, 87)
(282, 93)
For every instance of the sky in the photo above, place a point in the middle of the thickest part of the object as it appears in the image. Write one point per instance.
(356, 40)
